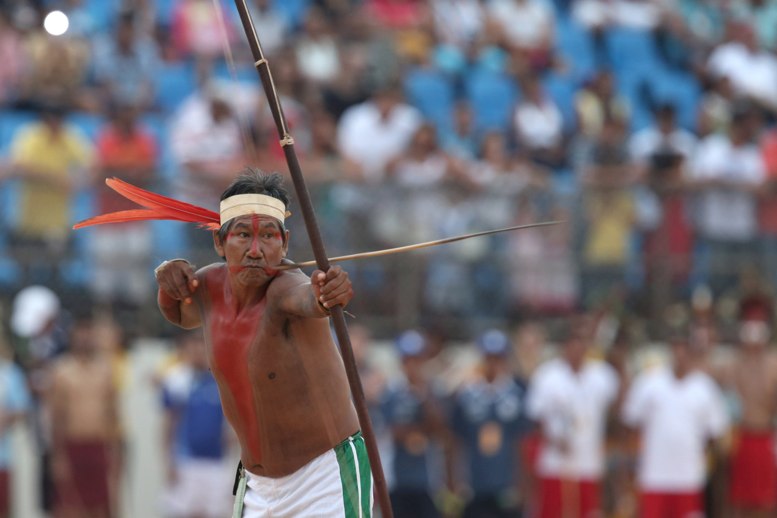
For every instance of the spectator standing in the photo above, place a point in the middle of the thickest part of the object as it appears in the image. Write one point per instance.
(127, 151)
(539, 125)
(527, 28)
(126, 65)
(569, 397)
(414, 415)
(195, 436)
(489, 420)
(200, 29)
(376, 131)
(206, 137)
(751, 69)
(608, 214)
(677, 411)
(50, 159)
(726, 172)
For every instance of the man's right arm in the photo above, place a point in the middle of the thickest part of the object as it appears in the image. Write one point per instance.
(178, 283)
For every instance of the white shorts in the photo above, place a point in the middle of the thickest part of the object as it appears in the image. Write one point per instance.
(200, 490)
(335, 484)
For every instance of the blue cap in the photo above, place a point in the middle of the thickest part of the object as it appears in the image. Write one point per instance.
(493, 342)
(411, 344)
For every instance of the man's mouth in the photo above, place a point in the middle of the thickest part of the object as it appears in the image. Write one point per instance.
(266, 269)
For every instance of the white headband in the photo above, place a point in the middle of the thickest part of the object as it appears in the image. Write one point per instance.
(243, 204)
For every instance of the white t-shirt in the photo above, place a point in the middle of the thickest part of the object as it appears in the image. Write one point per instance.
(371, 141)
(676, 417)
(726, 213)
(526, 23)
(751, 73)
(646, 142)
(572, 406)
(539, 125)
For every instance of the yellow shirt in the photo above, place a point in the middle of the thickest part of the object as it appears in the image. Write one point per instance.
(44, 209)
(610, 220)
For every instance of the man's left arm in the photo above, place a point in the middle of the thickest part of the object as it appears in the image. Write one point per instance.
(313, 297)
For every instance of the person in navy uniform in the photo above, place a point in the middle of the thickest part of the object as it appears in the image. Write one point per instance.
(489, 421)
(416, 420)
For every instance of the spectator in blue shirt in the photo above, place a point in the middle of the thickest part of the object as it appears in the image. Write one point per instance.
(488, 419)
(414, 415)
(198, 474)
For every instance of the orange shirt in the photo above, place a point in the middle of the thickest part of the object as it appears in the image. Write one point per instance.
(130, 157)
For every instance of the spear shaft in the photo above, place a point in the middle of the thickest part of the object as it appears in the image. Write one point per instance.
(317, 244)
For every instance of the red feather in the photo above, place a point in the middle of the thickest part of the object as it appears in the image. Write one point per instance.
(156, 207)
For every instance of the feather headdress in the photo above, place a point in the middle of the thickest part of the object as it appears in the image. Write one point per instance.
(155, 206)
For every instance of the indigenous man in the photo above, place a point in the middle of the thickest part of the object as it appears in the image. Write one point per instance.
(281, 379)
(85, 432)
(753, 490)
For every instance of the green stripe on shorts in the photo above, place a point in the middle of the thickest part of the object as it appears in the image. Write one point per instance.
(355, 476)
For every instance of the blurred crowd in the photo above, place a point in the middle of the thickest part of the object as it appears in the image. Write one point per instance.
(646, 127)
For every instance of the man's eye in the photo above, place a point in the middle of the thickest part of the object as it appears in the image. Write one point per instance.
(269, 235)
(243, 234)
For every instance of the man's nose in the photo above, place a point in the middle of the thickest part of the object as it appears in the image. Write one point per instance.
(255, 250)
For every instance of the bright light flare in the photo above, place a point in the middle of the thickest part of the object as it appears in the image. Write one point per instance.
(56, 23)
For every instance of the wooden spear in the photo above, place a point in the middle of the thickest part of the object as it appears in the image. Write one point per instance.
(308, 214)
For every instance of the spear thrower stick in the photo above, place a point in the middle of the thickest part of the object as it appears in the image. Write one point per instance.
(308, 214)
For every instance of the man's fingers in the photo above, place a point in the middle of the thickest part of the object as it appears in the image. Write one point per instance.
(340, 296)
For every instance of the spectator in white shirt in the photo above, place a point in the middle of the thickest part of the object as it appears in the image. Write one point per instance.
(677, 411)
(726, 173)
(569, 397)
(527, 28)
(378, 130)
(752, 70)
(539, 125)
(665, 137)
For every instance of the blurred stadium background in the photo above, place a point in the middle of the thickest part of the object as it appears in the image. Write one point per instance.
(646, 126)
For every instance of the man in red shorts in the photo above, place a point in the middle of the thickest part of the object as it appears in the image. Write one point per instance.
(677, 411)
(281, 380)
(570, 397)
(753, 490)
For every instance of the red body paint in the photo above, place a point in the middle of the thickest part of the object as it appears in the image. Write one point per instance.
(231, 338)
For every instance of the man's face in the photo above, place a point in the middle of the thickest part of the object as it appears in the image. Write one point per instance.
(253, 245)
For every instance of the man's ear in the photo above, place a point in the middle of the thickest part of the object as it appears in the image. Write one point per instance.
(285, 242)
(218, 245)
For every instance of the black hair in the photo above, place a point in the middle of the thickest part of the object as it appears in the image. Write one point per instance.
(253, 181)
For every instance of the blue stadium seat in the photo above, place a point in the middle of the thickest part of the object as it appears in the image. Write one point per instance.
(164, 11)
(631, 49)
(562, 89)
(174, 83)
(432, 93)
(10, 122)
(493, 96)
(629, 83)
(576, 47)
(294, 10)
(680, 89)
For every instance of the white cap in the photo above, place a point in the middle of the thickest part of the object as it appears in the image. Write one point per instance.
(33, 309)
